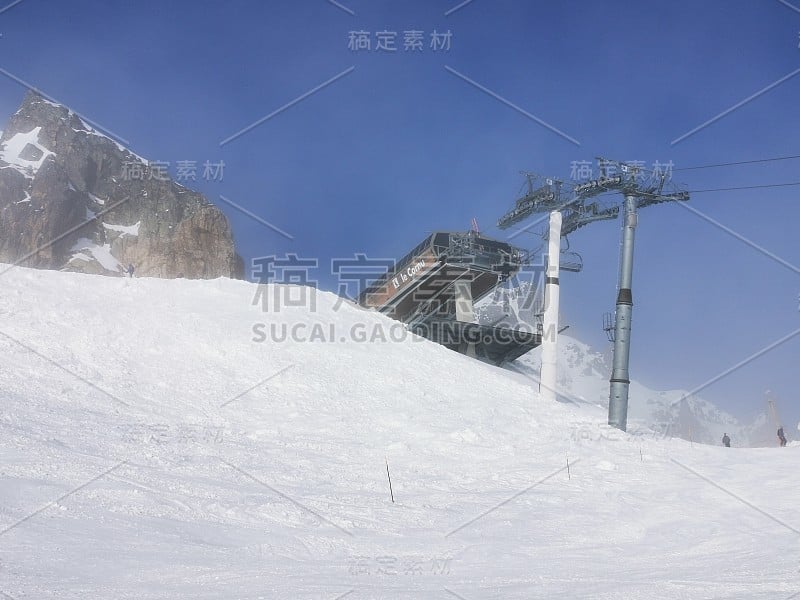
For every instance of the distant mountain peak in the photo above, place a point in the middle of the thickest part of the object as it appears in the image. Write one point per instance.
(67, 202)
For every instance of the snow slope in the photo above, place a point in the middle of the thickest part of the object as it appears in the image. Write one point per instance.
(584, 374)
(583, 377)
(153, 449)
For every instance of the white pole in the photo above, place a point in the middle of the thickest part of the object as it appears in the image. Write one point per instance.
(551, 300)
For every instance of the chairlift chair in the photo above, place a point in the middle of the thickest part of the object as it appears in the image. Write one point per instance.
(570, 260)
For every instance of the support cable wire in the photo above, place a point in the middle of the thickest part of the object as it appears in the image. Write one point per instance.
(746, 187)
(644, 169)
(741, 162)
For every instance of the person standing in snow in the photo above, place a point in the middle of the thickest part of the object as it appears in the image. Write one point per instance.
(726, 441)
(129, 270)
(781, 436)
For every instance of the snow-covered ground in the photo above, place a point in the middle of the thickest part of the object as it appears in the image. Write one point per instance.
(132, 230)
(11, 152)
(583, 378)
(155, 447)
(583, 375)
(87, 250)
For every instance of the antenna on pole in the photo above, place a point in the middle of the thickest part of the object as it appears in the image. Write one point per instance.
(772, 409)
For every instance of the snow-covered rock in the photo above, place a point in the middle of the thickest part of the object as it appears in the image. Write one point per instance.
(61, 181)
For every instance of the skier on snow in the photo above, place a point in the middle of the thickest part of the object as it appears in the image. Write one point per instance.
(781, 436)
(726, 441)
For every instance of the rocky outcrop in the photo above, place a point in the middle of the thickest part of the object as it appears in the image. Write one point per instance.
(73, 199)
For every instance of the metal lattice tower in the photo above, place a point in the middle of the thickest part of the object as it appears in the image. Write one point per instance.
(640, 188)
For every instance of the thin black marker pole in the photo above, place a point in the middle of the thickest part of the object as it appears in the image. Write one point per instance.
(390, 479)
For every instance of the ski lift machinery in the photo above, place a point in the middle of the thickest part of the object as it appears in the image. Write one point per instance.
(581, 209)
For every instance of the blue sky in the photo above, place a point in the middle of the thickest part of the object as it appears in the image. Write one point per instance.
(399, 146)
